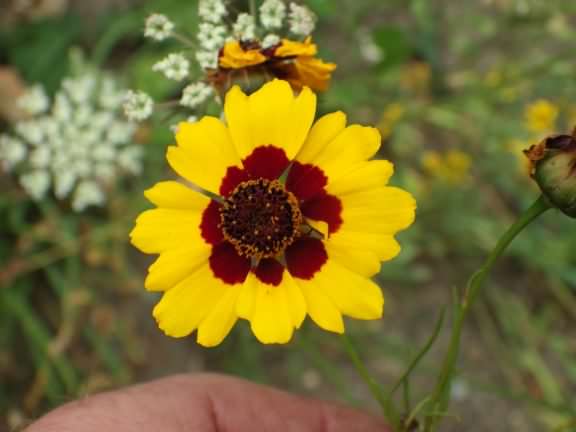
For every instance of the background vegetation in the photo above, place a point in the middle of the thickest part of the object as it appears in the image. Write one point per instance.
(457, 89)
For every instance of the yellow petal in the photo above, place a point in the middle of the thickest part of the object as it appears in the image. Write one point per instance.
(174, 265)
(171, 194)
(361, 261)
(204, 153)
(216, 326)
(323, 131)
(352, 244)
(290, 48)
(271, 321)
(346, 151)
(321, 309)
(183, 307)
(247, 297)
(385, 210)
(367, 175)
(160, 229)
(354, 295)
(295, 299)
(270, 116)
(235, 57)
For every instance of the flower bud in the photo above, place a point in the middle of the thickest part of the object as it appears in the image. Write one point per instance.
(553, 167)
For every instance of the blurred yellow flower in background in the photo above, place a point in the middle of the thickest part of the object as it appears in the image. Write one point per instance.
(541, 116)
(390, 118)
(451, 167)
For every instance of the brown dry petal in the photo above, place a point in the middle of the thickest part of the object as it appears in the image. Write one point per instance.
(11, 88)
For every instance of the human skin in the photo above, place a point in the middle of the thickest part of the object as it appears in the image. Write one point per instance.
(204, 403)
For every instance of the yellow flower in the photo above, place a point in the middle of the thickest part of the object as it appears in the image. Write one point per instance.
(452, 167)
(390, 117)
(541, 116)
(234, 56)
(299, 220)
(307, 70)
(290, 48)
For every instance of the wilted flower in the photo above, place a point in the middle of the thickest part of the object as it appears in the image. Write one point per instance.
(77, 148)
(552, 164)
(299, 221)
(158, 27)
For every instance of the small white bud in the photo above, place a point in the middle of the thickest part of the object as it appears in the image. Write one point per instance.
(272, 13)
(175, 67)
(302, 20)
(35, 101)
(195, 94)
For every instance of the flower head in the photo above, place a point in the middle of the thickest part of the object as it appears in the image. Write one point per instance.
(158, 27)
(34, 101)
(244, 28)
(195, 94)
(302, 20)
(75, 148)
(552, 163)
(212, 10)
(211, 37)
(302, 221)
(138, 106)
(235, 56)
(175, 67)
(272, 13)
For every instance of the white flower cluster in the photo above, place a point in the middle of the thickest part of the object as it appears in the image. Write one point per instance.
(158, 27)
(76, 147)
(275, 19)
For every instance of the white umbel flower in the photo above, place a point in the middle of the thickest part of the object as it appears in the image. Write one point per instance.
(212, 10)
(88, 193)
(270, 41)
(302, 20)
(207, 59)
(245, 27)
(158, 27)
(138, 105)
(36, 183)
(175, 67)
(34, 101)
(272, 13)
(195, 94)
(12, 151)
(77, 147)
(211, 37)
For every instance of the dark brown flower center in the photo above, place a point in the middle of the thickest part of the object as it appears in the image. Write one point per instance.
(260, 218)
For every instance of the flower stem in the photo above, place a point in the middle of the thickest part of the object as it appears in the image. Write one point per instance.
(441, 395)
(373, 386)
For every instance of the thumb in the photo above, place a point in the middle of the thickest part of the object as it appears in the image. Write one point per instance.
(204, 403)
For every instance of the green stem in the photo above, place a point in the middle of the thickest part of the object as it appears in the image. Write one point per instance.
(374, 387)
(441, 395)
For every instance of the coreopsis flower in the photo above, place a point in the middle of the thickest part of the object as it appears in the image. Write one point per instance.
(541, 116)
(294, 221)
(552, 163)
(75, 146)
(294, 61)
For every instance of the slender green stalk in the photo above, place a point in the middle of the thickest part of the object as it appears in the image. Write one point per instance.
(441, 395)
(375, 389)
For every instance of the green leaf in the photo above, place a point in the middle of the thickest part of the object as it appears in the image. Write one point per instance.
(395, 46)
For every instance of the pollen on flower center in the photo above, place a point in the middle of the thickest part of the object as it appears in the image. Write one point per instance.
(260, 218)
